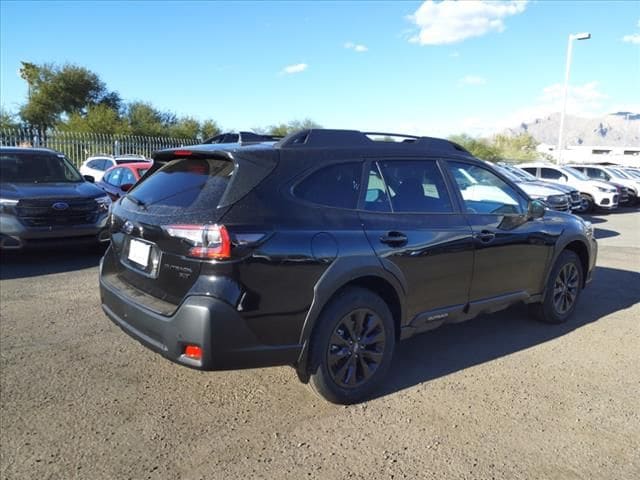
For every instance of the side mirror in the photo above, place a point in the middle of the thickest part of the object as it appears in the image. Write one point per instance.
(535, 209)
(126, 187)
(89, 178)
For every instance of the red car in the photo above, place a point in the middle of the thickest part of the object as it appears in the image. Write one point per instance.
(119, 179)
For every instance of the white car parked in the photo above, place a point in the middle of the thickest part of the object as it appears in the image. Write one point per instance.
(610, 173)
(594, 193)
(97, 165)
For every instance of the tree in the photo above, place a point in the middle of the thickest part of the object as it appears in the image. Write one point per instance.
(98, 119)
(520, 147)
(8, 120)
(74, 98)
(478, 147)
(208, 129)
(283, 129)
(186, 127)
(144, 119)
(55, 91)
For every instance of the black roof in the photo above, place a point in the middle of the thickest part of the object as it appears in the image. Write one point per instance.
(325, 139)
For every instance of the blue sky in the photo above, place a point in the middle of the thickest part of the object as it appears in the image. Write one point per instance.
(398, 66)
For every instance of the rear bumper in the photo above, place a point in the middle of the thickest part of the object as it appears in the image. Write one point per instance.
(213, 325)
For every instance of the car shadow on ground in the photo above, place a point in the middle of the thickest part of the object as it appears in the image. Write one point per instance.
(44, 262)
(452, 348)
(601, 233)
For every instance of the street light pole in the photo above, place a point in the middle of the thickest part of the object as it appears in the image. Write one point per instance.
(578, 36)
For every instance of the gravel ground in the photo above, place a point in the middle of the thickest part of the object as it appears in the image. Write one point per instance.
(497, 397)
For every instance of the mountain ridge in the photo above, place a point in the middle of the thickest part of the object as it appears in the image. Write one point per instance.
(618, 129)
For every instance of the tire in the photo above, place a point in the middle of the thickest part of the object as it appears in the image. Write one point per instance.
(588, 204)
(343, 372)
(562, 291)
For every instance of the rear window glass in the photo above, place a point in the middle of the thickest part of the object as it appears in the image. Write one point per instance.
(334, 186)
(193, 184)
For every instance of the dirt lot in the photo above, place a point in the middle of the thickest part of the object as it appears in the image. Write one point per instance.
(497, 397)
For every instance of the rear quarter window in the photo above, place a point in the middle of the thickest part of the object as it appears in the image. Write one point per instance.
(333, 186)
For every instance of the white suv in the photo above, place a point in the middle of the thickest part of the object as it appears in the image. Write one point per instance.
(97, 165)
(615, 175)
(594, 193)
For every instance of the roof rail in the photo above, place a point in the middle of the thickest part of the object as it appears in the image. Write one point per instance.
(319, 138)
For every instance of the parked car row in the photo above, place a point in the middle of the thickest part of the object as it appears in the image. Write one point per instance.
(32, 178)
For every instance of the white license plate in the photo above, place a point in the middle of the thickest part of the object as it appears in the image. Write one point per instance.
(139, 252)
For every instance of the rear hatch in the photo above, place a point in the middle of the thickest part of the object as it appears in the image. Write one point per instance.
(169, 224)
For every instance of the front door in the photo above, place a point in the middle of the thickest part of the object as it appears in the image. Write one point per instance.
(417, 231)
(511, 251)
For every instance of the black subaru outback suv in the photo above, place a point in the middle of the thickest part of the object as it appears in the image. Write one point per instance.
(326, 249)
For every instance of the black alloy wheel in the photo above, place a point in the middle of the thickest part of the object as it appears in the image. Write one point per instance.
(356, 348)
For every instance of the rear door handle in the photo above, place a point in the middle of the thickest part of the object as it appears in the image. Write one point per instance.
(485, 236)
(394, 238)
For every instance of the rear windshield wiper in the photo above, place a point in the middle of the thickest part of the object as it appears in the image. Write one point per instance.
(137, 201)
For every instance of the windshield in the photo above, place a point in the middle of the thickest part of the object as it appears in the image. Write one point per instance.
(576, 173)
(36, 167)
(522, 174)
(508, 173)
(618, 173)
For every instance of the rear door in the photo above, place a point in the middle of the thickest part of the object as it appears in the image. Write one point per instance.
(511, 252)
(418, 233)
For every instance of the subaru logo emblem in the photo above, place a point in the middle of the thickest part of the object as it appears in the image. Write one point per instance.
(128, 227)
(60, 206)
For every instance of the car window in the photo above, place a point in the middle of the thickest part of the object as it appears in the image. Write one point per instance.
(551, 174)
(530, 170)
(415, 186)
(484, 192)
(333, 186)
(597, 173)
(127, 177)
(95, 164)
(142, 171)
(114, 177)
(376, 198)
(185, 184)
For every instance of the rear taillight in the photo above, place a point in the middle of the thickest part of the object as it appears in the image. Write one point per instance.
(205, 241)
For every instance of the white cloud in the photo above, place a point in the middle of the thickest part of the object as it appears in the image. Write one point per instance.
(454, 54)
(356, 47)
(296, 68)
(472, 80)
(448, 21)
(634, 38)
